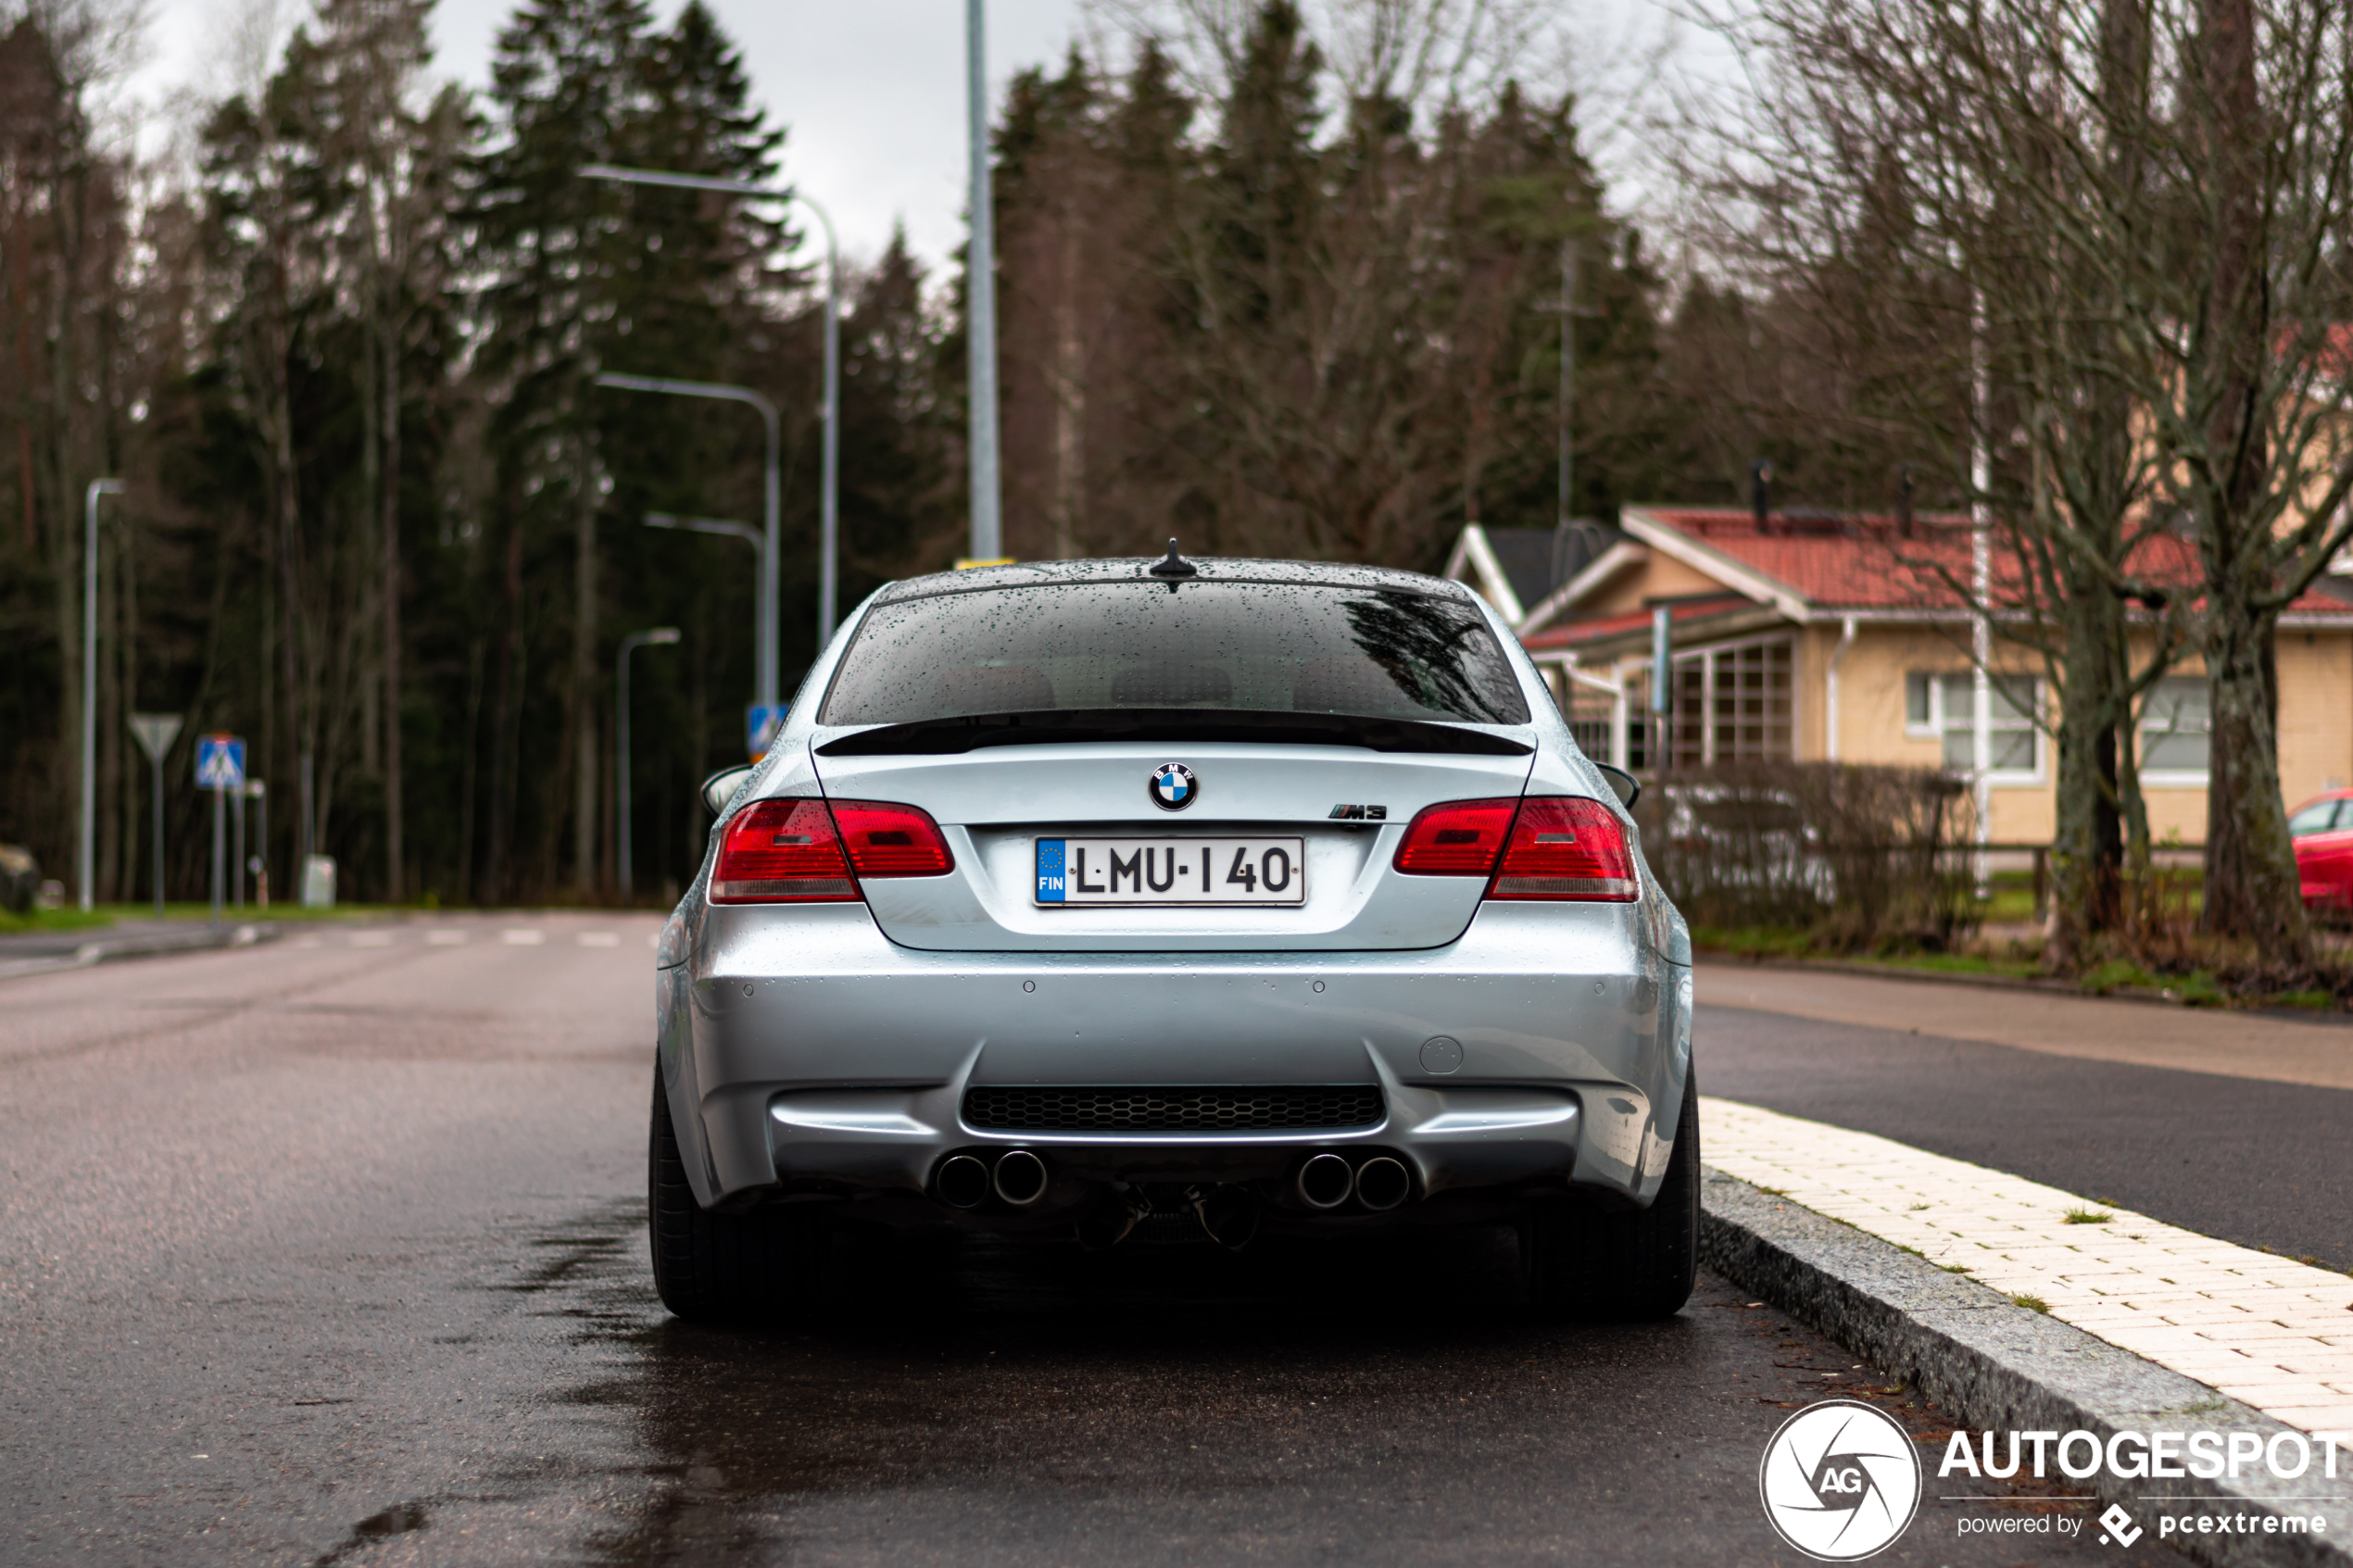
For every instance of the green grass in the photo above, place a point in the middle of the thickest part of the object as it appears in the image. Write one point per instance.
(253, 911)
(56, 920)
(1778, 942)
(1957, 963)
(1954, 1267)
(2031, 1303)
(1754, 941)
(2197, 989)
(2084, 1217)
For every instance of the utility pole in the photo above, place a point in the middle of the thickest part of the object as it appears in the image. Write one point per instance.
(980, 297)
(629, 645)
(1568, 379)
(88, 857)
(1980, 537)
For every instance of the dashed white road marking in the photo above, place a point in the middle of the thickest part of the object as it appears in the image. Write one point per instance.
(521, 939)
(600, 939)
(2264, 1329)
(445, 938)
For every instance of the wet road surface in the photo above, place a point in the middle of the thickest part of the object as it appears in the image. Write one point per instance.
(2259, 1163)
(334, 1253)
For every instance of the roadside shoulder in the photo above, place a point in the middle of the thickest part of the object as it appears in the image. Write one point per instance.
(101, 948)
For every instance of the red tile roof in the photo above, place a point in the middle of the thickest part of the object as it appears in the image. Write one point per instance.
(1577, 632)
(1859, 561)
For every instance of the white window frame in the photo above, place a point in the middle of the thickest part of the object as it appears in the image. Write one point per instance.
(1705, 656)
(2171, 778)
(1936, 728)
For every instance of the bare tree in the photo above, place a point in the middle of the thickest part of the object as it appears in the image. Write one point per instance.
(2147, 200)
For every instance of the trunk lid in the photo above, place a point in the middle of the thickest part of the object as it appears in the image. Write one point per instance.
(994, 804)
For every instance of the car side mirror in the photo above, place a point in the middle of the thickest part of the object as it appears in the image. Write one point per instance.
(1626, 787)
(719, 788)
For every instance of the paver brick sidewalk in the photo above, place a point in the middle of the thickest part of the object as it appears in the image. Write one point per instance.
(2267, 1330)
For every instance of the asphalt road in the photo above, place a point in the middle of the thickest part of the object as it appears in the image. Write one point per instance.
(2259, 1163)
(329, 1253)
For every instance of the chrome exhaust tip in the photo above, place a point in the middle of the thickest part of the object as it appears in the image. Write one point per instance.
(1383, 1182)
(962, 1183)
(1021, 1178)
(1325, 1181)
(1229, 1215)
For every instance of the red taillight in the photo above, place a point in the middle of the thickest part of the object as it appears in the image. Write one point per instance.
(1551, 847)
(782, 851)
(797, 852)
(1563, 847)
(886, 840)
(1459, 838)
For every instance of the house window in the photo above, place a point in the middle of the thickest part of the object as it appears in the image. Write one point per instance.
(1734, 704)
(1944, 706)
(2176, 729)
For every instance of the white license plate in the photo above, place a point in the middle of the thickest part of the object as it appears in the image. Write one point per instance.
(1172, 870)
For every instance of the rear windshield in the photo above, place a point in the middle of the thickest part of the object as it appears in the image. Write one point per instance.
(1280, 647)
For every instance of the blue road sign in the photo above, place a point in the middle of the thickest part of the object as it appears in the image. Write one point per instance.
(761, 723)
(221, 762)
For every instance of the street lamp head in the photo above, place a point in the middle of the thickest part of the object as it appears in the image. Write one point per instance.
(105, 487)
(662, 634)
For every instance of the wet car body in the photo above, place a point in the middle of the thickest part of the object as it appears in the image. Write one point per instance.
(1387, 1048)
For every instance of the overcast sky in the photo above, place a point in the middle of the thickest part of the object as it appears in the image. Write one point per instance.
(871, 92)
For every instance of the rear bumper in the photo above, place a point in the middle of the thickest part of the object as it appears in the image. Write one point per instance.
(804, 1052)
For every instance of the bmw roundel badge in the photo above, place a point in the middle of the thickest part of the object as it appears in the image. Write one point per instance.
(1174, 786)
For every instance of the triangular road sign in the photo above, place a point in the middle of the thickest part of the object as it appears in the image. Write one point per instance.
(156, 733)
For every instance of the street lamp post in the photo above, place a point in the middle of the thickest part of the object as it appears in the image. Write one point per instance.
(629, 645)
(88, 857)
(766, 663)
(829, 493)
(743, 530)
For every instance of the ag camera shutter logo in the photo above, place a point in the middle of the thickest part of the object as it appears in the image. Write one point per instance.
(1841, 1481)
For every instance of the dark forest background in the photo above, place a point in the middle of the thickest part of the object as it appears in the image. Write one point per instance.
(379, 517)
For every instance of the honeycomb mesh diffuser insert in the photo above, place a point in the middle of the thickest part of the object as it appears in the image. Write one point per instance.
(1124, 1109)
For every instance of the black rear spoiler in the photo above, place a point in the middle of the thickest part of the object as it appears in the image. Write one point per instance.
(1079, 726)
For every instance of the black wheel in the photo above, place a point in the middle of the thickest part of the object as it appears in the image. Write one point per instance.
(1640, 1266)
(722, 1268)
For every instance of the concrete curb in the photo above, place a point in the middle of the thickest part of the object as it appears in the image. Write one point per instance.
(1996, 1366)
(103, 949)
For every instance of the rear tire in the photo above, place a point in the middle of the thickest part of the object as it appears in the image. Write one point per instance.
(722, 1268)
(1637, 1267)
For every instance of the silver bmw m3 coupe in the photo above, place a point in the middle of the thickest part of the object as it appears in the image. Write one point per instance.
(1235, 897)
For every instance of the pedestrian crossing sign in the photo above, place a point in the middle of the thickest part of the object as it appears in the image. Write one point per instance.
(221, 762)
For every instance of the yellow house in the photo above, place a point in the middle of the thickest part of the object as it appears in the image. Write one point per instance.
(1817, 636)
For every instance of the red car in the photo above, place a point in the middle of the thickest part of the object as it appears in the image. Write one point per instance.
(2323, 830)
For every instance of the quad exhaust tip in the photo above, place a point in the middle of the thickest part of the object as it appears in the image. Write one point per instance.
(1382, 1183)
(1021, 1178)
(1324, 1181)
(962, 1183)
